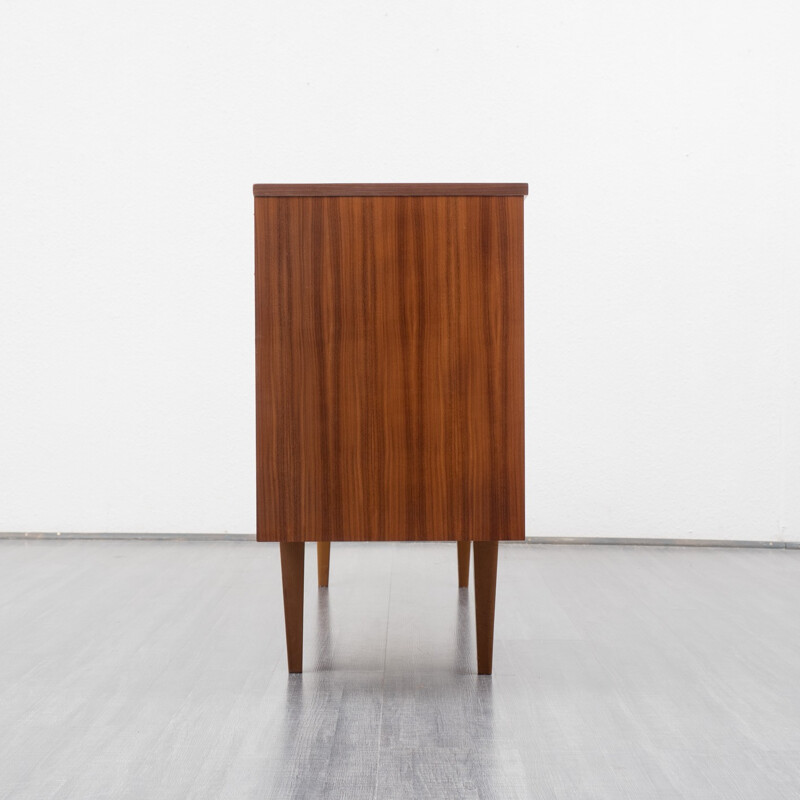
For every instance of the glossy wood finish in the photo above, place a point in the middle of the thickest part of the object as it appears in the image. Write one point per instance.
(463, 564)
(390, 189)
(485, 590)
(323, 562)
(389, 368)
(292, 573)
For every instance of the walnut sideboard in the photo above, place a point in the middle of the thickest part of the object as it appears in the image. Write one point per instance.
(389, 375)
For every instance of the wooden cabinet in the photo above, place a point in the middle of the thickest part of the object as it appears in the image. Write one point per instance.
(389, 374)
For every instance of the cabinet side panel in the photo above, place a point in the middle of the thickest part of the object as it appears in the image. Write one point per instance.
(389, 368)
(485, 350)
(513, 226)
(291, 493)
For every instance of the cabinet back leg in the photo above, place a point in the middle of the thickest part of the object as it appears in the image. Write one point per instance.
(323, 562)
(485, 586)
(292, 572)
(463, 564)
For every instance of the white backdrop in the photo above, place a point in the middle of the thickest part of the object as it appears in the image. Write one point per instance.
(660, 141)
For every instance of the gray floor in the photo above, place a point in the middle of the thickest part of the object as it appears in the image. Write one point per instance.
(157, 670)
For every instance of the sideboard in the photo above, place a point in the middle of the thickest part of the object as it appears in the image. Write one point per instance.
(389, 376)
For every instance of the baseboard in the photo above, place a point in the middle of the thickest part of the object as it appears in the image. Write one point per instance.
(181, 537)
(630, 540)
(582, 540)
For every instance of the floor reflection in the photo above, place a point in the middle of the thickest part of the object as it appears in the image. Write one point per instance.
(322, 647)
(422, 726)
(363, 736)
(464, 649)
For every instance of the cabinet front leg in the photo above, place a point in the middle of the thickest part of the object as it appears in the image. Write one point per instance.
(323, 562)
(485, 586)
(292, 571)
(463, 564)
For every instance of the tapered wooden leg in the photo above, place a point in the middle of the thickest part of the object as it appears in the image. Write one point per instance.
(485, 585)
(463, 564)
(292, 565)
(323, 562)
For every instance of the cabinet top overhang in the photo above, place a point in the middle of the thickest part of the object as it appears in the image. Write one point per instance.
(390, 189)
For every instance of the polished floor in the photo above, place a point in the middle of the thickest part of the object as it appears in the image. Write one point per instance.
(146, 670)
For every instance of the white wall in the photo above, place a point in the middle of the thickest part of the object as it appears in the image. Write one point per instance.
(660, 141)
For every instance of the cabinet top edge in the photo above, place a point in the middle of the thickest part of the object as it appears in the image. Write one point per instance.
(390, 189)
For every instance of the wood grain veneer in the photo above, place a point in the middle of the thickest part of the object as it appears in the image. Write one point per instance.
(389, 366)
